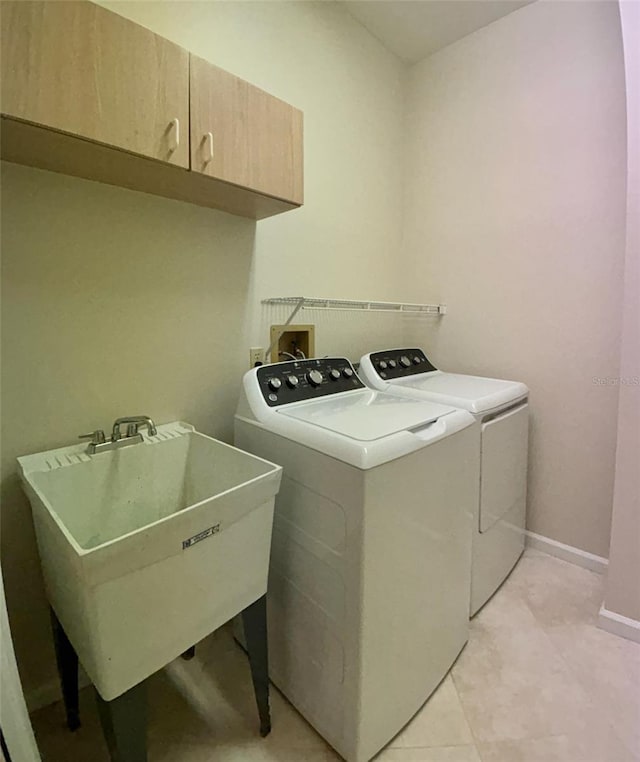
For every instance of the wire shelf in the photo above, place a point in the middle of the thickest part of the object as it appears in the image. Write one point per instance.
(356, 305)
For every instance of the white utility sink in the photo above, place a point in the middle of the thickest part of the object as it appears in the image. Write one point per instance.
(147, 549)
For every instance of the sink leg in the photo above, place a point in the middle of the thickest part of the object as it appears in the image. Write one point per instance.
(124, 724)
(254, 620)
(67, 661)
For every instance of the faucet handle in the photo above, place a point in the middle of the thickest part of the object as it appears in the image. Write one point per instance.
(96, 437)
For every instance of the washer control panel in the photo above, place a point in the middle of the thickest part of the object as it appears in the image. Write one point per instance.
(287, 382)
(399, 363)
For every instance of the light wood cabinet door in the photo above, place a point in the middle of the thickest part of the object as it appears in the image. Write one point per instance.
(78, 68)
(242, 135)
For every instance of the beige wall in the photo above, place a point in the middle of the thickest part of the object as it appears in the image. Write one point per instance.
(623, 578)
(515, 218)
(116, 302)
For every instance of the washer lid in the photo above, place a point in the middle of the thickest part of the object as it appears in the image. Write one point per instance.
(472, 393)
(366, 415)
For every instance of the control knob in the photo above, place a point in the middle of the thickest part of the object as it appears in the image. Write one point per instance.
(292, 381)
(334, 374)
(405, 361)
(275, 384)
(382, 365)
(347, 372)
(315, 378)
(417, 360)
(392, 363)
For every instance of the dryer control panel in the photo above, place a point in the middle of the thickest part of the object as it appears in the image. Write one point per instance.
(399, 363)
(287, 382)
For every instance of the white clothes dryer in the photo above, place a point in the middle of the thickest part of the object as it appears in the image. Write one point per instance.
(368, 593)
(502, 412)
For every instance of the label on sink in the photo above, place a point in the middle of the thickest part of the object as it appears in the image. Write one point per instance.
(200, 536)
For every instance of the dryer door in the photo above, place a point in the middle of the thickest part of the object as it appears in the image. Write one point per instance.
(503, 480)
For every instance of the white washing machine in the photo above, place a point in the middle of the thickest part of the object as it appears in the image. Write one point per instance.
(502, 412)
(368, 593)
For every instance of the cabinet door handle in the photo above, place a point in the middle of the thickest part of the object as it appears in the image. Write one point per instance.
(174, 125)
(208, 153)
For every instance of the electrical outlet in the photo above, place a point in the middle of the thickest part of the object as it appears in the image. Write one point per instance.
(256, 356)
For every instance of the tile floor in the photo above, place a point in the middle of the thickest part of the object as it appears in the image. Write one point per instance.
(537, 682)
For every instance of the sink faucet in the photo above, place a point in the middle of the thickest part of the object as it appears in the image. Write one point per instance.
(99, 443)
(133, 421)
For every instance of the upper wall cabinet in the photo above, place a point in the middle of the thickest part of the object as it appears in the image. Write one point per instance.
(243, 135)
(78, 68)
(89, 93)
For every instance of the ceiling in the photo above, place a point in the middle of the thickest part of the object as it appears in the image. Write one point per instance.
(414, 29)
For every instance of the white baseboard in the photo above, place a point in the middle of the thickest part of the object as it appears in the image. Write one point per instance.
(43, 695)
(619, 625)
(567, 552)
(50, 692)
